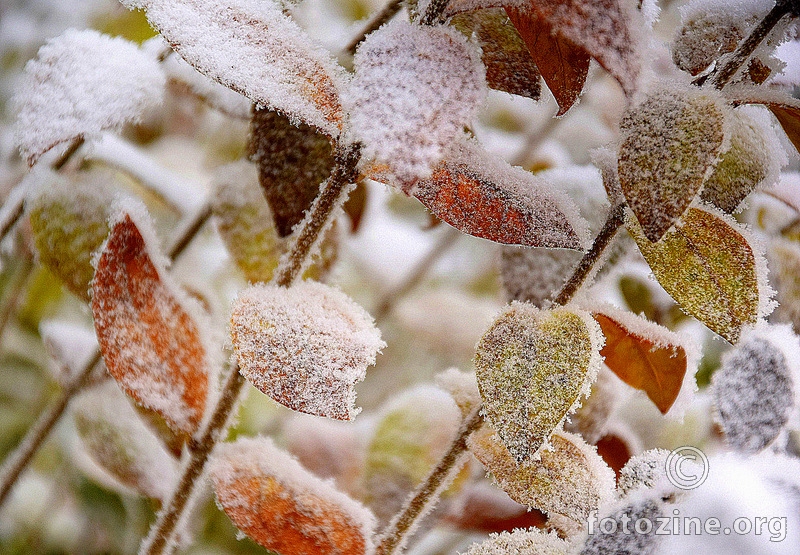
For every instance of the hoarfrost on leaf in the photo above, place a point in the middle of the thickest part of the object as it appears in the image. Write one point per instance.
(643, 471)
(281, 506)
(81, 83)
(415, 89)
(305, 346)
(254, 48)
(531, 542)
(70, 345)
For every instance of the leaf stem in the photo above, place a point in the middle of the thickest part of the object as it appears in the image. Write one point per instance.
(19, 459)
(746, 48)
(433, 13)
(374, 23)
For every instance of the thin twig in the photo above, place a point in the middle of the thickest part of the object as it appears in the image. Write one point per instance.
(16, 462)
(16, 290)
(374, 23)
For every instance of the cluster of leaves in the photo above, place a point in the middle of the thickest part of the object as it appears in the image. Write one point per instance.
(540, 411)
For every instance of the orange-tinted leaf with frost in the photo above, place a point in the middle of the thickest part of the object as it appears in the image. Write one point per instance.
(488, 198)
(644, 355)
(292, 162)
(285, 508)
(509, 64)
(788, 115)
(563, 64)
(151, 344)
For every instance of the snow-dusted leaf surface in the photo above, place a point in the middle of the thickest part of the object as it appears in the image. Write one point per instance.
(752, 160)
(254, 48)
(509, 65)
(292, 163)
(70, 345)
(754, 389)
(670, 143)
(305, 346)
(413, 433)
(69, 219)
(281, 506)
(784, 107)
(149, 331)
(79, 84)
(784, 262)
(632, 543)
(116, 438)
(707, 263)
(643, 471)
(483, 196)
(530, 541)
(535, 275)
(415, 89)
(569, 479)
(533, 367)
(643, 354)
(563, 64)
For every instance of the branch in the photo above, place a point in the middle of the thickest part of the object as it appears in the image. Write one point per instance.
(375, 22)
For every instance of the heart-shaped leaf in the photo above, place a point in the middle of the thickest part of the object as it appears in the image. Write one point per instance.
(285, 508)
(483, 196)
(707, 264)
(305, 346)
(509, 65)
(670, 143)
(292, 163)
(569, 479)
(532, 368)
(147, 328)
(644, 355)
(257, 50)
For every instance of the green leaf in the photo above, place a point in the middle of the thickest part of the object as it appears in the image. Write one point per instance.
(707, 264)
(532, 367)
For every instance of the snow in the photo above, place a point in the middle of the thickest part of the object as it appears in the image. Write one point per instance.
(305, 346)
(254, 48)
(462, 387)
(70, 345)
(642, 471)
(432, 76)
(81, 83)
(531, 541)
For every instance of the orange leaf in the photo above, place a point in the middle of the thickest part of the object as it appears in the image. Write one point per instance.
(283, 507)
(562, 63)
(642, 363)
(789, 118)
(151, 345)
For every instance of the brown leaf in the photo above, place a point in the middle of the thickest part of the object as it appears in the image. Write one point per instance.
(356, 205)
(788, 116)
(292, 163)
(614, 451)
(563, 64)
(481, 507)
(150, 343)
(657, 368)
(509, 64)
(495, 201)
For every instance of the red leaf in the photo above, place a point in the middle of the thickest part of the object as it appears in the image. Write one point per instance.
(562, 63)
(657, 368)
(151, 345)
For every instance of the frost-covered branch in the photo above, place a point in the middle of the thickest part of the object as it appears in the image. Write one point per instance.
(374, 23)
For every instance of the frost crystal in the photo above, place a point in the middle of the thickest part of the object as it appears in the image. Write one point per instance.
(305, 346)
(643, 470)
(255, 49)
(81, 83)
(531, 542)
(754, 388)
(282, 506)
(414, 90)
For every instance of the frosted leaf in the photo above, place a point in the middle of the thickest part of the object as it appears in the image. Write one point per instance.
(591, 419)
(245, 223)
(292, 163)
(462, 387)
(643, 471)
(754, 388)
(413, 433)
(631, 543)
(484, 196)
(69, 223)
(644, 355)
(784, 258)
(81, 83)
(532, 368)
(753, 160)
(708, 264)
(415, 89)
(254, 48)
(569, 479)
(482, 507)
(283, 507)
(119, 442)
(508, 62)
(530, 542)
(150, 332)
(536, 275)
(670, 144)
(785, 108)
(305, 346)
(71, 346)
